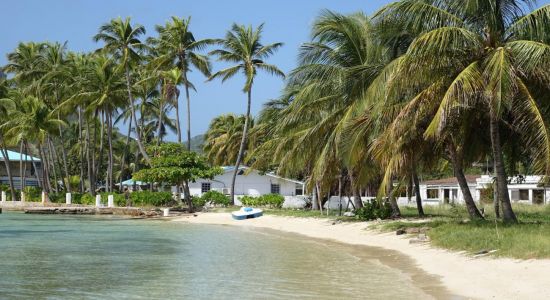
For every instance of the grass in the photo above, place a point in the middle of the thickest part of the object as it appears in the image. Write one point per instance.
(450, 228)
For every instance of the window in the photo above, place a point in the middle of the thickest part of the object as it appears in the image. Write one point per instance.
(275, 188)
(205, 187)
(538, 196)
(433, 193)
(523, 194)
(299, 189)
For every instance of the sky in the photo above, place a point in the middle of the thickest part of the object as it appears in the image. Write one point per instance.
(76, 21)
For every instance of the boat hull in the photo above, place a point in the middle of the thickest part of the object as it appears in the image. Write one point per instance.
(242, 215)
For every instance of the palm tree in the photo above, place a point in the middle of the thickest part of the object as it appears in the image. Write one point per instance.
(489, 53)
(32, 121)
(122, 41)
(222, 140)
(242, 46)
(6, 106)
(177, 47)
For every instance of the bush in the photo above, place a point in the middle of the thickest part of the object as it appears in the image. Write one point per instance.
(373, 210)
(148, 198)
(271, 200)
(215, 198)
(198, 201)
(33, 194)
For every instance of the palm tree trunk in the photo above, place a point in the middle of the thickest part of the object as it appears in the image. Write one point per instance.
(110, 140)
(101, 138)
(64, 158)
(188, 112)
(94, 157)
(187, 196)
(508, 214)
(241, 147)
(314, 202)
(159, 127)
(133, 112)
(81, 143)
(89, 159)
(396, 212)
(123, 161)
(50, 151)
(457, 162)
(357, 202)
(8, 169)
(21, 169)
(40, 182)
(417, 193)
(44, 168)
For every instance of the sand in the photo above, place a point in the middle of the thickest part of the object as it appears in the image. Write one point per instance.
(476, 278)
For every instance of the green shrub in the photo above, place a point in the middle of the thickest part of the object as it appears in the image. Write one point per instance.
(374, 209)
(250, 201)
(198, 201)
(6, 188)
(215, 198)
(84, 199)
(272, 200)
(33, 194)
(148, 198)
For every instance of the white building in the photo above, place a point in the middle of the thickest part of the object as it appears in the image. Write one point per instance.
(521, 189)
(249, 182)
(29, 164)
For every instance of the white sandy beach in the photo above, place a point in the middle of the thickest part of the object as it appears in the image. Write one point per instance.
(478, 278)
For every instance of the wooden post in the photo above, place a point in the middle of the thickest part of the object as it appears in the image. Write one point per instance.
(98, 200)
(68, 198)
(110, 201)
(3, 196)
(22, 196)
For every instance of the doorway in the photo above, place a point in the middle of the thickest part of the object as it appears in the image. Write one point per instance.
(450, 196)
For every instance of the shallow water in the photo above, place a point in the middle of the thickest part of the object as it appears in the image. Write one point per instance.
(89, 257)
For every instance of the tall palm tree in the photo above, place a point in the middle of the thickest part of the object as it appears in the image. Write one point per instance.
(178, 47)
(242, 46)
(32, 121)
(6, 106)
(222, 140)
(481, 52)
(121, 39)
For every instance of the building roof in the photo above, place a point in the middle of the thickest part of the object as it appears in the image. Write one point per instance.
(131, 182)
(471, 179)
(270, 174)
(16, 156)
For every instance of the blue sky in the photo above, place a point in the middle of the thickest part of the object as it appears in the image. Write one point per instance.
(76, 21)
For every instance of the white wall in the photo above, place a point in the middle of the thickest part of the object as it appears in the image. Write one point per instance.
(253, 184)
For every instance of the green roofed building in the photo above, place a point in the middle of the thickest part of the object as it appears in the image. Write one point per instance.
(32, 167)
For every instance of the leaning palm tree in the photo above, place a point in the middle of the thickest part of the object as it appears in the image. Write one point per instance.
(122, 41)
(222, 140)
(242, 45)
(177, 46)
(6, 106)
(479, 52)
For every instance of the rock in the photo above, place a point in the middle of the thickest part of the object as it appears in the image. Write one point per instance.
(349, 214)
(412, 230)
(296, 202)
(422, 238)
(400, 231)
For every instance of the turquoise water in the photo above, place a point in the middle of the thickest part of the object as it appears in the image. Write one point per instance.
(88, 257)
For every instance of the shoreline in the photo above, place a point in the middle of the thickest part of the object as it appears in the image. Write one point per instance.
(462, 275)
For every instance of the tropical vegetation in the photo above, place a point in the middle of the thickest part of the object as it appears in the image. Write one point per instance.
(419, 88)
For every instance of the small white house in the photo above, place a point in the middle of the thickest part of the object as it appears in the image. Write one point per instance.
(521, 189)
(447, 190)
(249, 182)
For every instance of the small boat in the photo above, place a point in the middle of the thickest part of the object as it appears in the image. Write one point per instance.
(247, 213)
